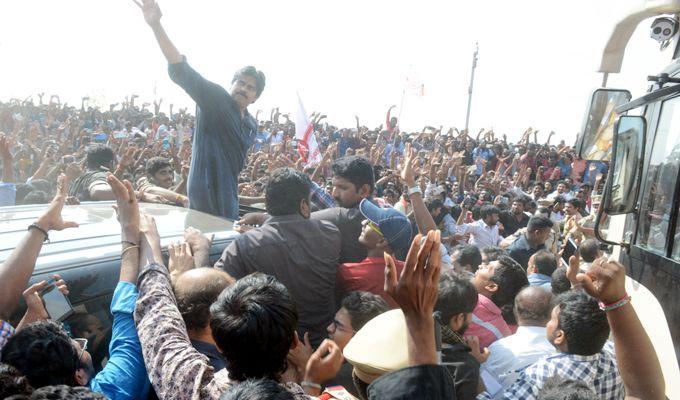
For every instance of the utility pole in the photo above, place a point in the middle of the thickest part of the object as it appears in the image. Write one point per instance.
(472, 81)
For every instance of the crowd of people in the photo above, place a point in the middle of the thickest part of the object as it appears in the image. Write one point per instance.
(398, 265)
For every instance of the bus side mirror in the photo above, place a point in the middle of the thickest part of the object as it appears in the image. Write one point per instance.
(595, 140)
(623, 183)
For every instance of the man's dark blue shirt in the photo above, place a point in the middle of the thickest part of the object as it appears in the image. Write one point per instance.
(220, 145)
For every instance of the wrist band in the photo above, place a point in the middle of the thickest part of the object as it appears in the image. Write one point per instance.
(122, 253)
(310, 384)
(413, 190)
(44, 232)
(617, 304)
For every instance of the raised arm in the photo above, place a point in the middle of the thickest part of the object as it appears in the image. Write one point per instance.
(17, 269)
(152, 16)
(423, 217)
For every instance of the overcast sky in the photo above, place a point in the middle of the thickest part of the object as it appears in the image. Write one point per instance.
(537, 61)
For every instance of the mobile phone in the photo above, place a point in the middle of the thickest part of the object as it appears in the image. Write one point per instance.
(56, 303)
(569, 250)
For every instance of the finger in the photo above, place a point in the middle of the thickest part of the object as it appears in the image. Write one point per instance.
(425, 250)
(34, 288)
(171, 251)
(117, 187)
(70, 224)
(588, 284)
(306, 339)
(412, 257)
(130, 191)
(390, 274)
(187, 249)
(138, 4)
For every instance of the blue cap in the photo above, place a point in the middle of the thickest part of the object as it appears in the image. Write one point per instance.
(395, 227)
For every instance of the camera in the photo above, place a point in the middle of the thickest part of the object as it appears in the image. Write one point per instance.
(663, 29)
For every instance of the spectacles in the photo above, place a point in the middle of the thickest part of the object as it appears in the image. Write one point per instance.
(82, 343)
(338, 326)
(375, 228)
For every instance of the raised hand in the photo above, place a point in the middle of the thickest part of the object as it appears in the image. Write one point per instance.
(127, 208)
(152, 13)
(5, 152)
(52, 220)
(180, 259)
(605, 280)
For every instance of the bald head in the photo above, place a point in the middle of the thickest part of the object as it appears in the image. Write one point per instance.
(195, 291)
(533, 306)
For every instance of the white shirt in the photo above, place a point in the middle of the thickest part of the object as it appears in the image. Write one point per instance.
(482, 235)
(567, 195)
(516, 352)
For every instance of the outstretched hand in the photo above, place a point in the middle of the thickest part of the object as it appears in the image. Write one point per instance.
(127, 208)
(52, 219)
(605, 280)
(152, 13)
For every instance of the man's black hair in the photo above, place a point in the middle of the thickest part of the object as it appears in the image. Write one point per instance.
(546, 262)
(576, 203)
(194, 305)
(539, 222)
(589, 250)
(285, 190)
(556, 388)
(563, 182)
(12, 382)
(252, 71)
(560, 199)
(155, 164)
(22, 190)
(559, 283)
(469, 255)
(98, 155)
(64, 392)
(41, 184)
(358, 170)
(258, 389)
(585, 326)
(494, 252)
(37, 197)
(253, 322)
(43, 353)
(524, 200)
(488, 210)
(456, 295)
(510, 278)
(363, 307)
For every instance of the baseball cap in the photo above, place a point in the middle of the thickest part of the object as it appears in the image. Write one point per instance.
(395, 227)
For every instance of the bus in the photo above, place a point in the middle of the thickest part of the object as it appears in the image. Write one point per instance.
(640, 139)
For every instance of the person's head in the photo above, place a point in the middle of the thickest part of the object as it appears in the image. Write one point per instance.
(356, 309)
(490, 214)
(12, 382)
(542, 262)
(562, 187)
(572, 207)
(99, 155)
(466, 258)
(584, 190)
(45, 354)
(547, 186)
(435, 207)
(390, 196)
(518, 205)
(37, 197)
(258, 389)
(556, 388)
(533, 305)
(539, 229)
(195, 291)
(247, 86)
(492, 253)
(353, 180)
(160, 170)
(537, 190)
(385, 229)
(559, 283)
(253, 323)
(590, 250)
(560, 202)
(288, 192)
(456, 301)
(64, 392)
(577, 325)
(500, 280)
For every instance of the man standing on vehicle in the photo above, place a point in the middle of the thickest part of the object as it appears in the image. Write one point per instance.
(225, 130)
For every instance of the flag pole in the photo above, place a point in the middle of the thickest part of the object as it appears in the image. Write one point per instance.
(472, 81)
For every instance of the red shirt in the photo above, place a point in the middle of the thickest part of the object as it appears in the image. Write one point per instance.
(367, 276)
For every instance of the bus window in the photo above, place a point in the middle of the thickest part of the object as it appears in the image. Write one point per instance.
(656, 204)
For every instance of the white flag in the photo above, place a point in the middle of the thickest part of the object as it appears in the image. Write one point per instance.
(308, 148)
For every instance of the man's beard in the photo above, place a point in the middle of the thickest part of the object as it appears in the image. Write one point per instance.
(463, 328)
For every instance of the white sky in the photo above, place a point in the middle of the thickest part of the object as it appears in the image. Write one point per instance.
(537, 63)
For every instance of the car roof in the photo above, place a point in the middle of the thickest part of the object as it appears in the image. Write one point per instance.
(98, 236)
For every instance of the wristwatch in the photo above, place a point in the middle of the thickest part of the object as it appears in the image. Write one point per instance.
(413, 190)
